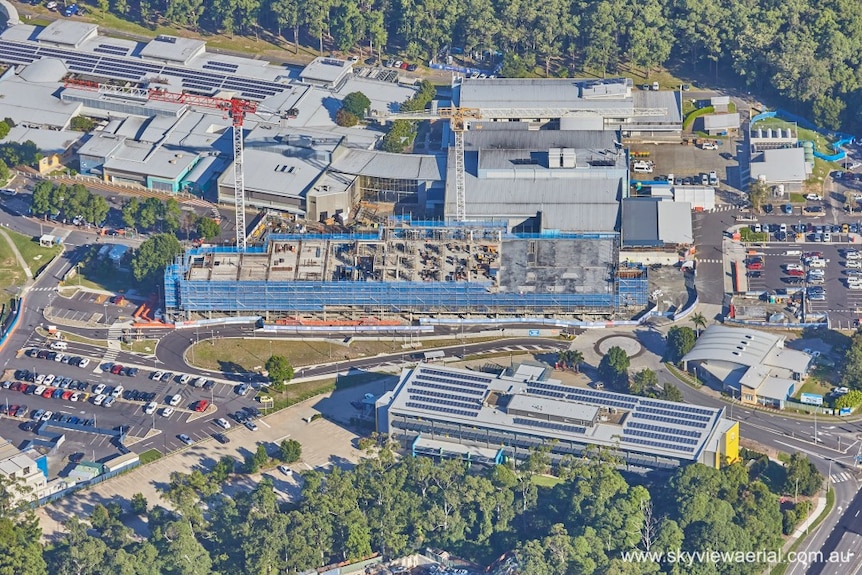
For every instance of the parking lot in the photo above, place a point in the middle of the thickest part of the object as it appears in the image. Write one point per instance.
(89, 307)
(842, 305)
(157, 430)
(692, 161)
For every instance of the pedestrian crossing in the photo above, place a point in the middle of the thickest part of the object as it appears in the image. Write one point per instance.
(43, 289)
(723, 208)
(840, 477)
(709, 261)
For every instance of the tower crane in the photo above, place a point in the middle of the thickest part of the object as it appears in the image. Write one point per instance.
(459, 117)
(236, 108)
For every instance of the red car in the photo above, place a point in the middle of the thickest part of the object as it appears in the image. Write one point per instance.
(48, 392)
(796, 273)
(117, 369)
(201, 405)
(807, 255)
(67, 394)
(754, 265)
(405, 65)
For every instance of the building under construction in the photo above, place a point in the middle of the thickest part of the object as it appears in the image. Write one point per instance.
(409, 268)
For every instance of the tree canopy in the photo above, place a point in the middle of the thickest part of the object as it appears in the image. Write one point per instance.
(208, 228)
(614, 366)
(150, 259)
(680, 341)
(279, 369)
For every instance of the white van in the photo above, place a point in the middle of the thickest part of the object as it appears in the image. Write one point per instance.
(61, 345)
(642, 167)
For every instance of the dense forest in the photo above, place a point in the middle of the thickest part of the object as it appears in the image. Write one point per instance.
(807, 55)
(583, 524)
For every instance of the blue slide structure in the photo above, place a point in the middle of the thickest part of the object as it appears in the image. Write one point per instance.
(844, 139)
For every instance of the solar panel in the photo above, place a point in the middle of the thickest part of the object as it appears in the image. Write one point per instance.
(475, 392)
(549, 425)
(659, 444)
(223, 66)
(679, 407)
(468, 400)
(662, 429)
(670, 413)
(111, 61)
(416, 405)
(660, 436)
(437, 401)
(673, 420)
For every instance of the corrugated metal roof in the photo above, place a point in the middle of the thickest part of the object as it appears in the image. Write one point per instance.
(640, 222)
(502, 135)
(538, 93)
(395, 166)
(719, 121)
(674, 223)
(734, 345)
(780, 165)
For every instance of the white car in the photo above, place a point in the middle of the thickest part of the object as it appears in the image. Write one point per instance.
(51, 5)
(167, 412)
(185, 379)
(854, 264)
(99, 399)
(49, 379)
(84, 362)
(794, 267)
(174, 400)
(853, 256)
(813, 197)
(157, 376)
(40, 378)
(39, 390)
(99, 389)
(75, 396)
(285, 469)
(817, 263)
(150, 408)
(47, 416)
(222, 422)
(59, 357)
(118, 391)
(109, 401)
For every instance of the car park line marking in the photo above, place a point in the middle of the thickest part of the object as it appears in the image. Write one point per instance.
(262, 422)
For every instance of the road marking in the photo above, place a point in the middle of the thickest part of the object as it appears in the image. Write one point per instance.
(262, 422)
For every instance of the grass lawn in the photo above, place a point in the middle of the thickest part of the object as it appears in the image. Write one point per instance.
(689, 120)
(814, 385)
(747, 235)
(100, 274)
(142, 346)
(75, 337)
(149, 456)
(545, 480)
(11, 274)
(35, 255)
(797, 198)
(235, 354)
(297, 392)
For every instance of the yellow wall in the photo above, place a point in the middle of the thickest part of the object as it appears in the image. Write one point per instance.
(730, 444)
(49, 163)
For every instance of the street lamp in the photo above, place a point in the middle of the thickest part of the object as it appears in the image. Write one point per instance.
(106, 311)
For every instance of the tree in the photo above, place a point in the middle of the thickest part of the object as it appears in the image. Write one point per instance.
(290, 451)
(643, 382)
(571, 358)
(41, 203)
(130, 210)
(400, 136)
(152, 256)
(82, 124)
(699, 321)
(208, 228)
(356, 103)
(802, 476)
(139, 504)
(680, 341)
(758, 192)
(170, 215)
(279, 371)
(4, 170)
(345, 119)
(852, 400)
(614, 366)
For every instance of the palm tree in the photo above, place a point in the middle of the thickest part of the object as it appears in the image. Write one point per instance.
(699, 321)
(571, 358)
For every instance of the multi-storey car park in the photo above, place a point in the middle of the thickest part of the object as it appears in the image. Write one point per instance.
(492, 417)
(410, 267)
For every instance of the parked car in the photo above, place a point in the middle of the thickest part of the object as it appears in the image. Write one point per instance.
(185, 439)
(150, 408)
(250, 425)
(222, 422)
(200, 405)
(174, 400)
(221, 438)
(167, 411)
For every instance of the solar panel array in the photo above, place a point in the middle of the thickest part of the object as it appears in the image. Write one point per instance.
(549, 425)
(439, 408)
(671, 420)
(588, 396)
(220, 66)
(109, 63)
(660, 436)
(650, 427)
(111, 49)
